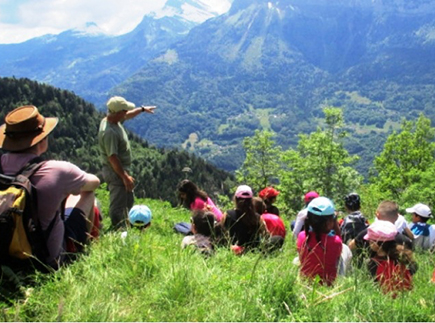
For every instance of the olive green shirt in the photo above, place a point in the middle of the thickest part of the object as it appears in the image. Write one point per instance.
(113, 140)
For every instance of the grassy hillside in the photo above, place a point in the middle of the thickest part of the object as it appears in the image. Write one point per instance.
(147, 277)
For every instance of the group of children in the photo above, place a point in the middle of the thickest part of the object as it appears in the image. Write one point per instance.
(385, 247)
(326, 246)
(253, 223)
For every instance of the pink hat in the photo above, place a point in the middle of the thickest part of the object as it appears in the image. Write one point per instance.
(310, 195)
(381, 231)
(244, 192)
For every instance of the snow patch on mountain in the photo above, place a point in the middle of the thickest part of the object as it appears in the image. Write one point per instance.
(194, 10)
(88, 29)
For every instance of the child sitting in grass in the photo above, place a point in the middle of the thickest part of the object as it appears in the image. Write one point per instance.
(274, 225)
(423, 233)
(354, 222)
(204, 230)
(140, 216)
(269, 195)
(244, 227)
(389, 266)
(195, 199)
(319, 248)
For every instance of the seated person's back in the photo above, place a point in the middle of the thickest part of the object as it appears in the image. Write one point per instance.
(354, 222)
(386, 211)
(390, 263)
(243, 224)
(319, 249)
(54, 182)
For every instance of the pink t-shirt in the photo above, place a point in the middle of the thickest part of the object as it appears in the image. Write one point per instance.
(319, 258)
(274, 224)
(200, 204)
(54, 181)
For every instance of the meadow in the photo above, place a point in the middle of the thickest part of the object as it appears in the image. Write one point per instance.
(146, 276)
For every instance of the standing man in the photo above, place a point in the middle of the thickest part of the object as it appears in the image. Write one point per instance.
(25, 137)
(116, 157)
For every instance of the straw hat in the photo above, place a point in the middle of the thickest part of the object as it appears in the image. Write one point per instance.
(24, 127)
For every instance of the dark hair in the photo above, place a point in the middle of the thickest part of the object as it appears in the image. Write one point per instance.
(352, 202)
(259, 205)
(204, 222)
(249, 217)
(422, 218)
(396, 252)
(318, 223)
(192, 192)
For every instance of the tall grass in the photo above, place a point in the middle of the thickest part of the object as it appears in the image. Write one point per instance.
(148, 277)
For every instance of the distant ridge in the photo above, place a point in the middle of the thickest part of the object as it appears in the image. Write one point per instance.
(265, 64)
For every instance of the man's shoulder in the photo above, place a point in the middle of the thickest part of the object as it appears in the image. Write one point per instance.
(106, 126)
(58, 163)
(59, 166)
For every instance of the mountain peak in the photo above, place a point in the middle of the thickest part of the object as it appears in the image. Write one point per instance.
(88, 29)
(194, 10)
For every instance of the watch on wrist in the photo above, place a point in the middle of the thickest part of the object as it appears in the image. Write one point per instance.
(143, 109)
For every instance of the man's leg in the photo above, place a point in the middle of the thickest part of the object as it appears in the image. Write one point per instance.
(120, 201)
(85, 201)
(79, 210)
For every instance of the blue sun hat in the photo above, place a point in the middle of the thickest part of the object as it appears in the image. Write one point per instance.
(140, 215)
(321, 206)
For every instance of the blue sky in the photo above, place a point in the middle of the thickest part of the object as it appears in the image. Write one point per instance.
(21, 20)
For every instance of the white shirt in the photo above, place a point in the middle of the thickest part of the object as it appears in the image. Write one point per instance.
(401, 223)
(299, 223)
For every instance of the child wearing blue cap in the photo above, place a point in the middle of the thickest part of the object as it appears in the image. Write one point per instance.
(140, 216)
(318, 246)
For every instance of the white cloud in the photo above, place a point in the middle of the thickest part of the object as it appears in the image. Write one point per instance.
(31, 18)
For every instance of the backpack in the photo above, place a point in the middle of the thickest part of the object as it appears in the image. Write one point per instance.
(21, 236)
(183, 228)
(352, 226)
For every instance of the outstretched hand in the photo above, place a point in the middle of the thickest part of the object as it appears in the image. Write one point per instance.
(149, 109)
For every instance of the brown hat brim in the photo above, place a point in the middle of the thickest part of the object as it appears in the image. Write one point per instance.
(9, 144)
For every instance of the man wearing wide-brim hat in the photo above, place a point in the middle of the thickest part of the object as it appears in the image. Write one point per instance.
(115, 155)
(25, 137)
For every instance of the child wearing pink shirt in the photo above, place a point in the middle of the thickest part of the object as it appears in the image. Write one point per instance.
(318, 247)
(195, 199)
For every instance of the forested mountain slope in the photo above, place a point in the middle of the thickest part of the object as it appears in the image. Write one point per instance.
(265, 64)
(157, 171)
(275, 64)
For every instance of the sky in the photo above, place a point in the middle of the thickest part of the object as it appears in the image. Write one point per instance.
(21, 20)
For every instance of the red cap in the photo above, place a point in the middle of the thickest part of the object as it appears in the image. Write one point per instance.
(310, 195)
(268, 192)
